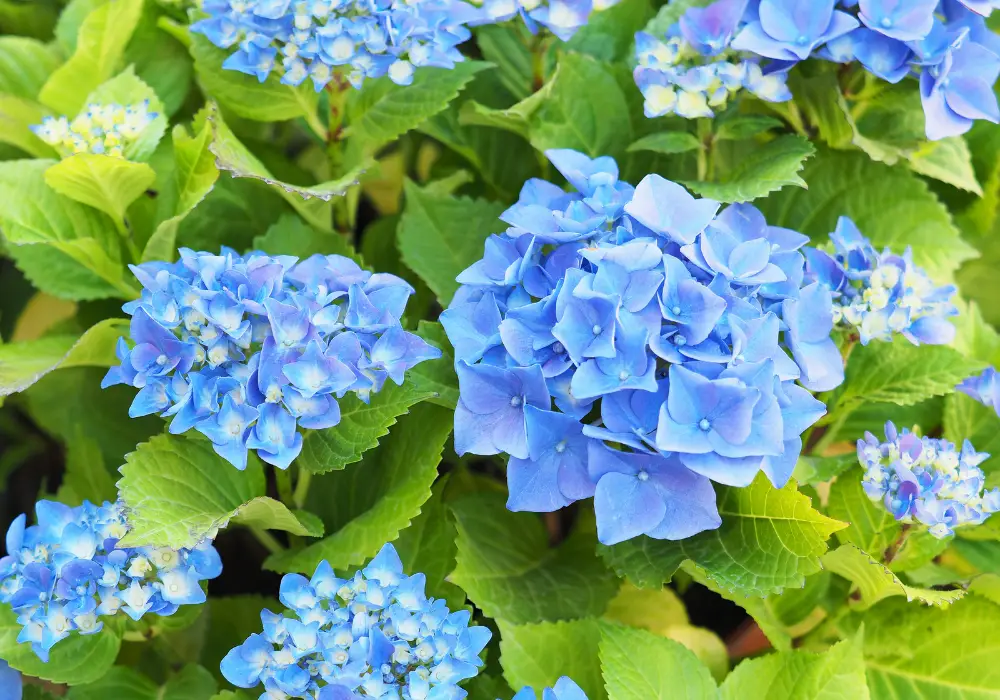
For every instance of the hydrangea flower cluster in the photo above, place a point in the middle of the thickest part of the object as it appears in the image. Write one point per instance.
(694, 69)
(246, 349)
(944, 42)
(317, 38)
(375, 635)
(564, 689)
(66, 572)
(984, 388)
(927, 480)
(98, 129)
(561, 17)
(646, 319)
(881, 294)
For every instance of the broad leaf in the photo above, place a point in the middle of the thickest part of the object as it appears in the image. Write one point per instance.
(76, 659)
(876, 582)
(440, 236)
(639, 665)
(361, 427)
(369, 504)
(506, 566)
(668, 142)
(22, 364)
(766, 169)
(290, 235)
(837, 674)
(105, 183)
(947, 160)
(25, 65)
(609, 34)
(161, 61)
(230, 620)
(100, 46)
(891, 206)
(769, 539)
(870, 526)
(17, 116)
(506, 46)
(652, 609)
(87, 477)
(539, 654)
(902, 373)
(179, 492)
(738, 127)
(124, 683)
(817, 470)
(968, 419)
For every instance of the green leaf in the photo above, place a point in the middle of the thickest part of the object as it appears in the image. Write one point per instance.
(87, 477)
(194, 176)
(667, 142)
(290, 235)
(817, 470)
(505, 46)
(230, 621)
(381, 110)
(570, 117)
(652, 609)
(25, 65)
(190, 683)
(105, 183)
(738, 127)
(967, 419)
(539, 654)
(31, 213)
(947, 160)
(837, 674)
(876, 582)
(361, 427)
(100, 46)
(506, 566)
(926, 653)
(77, 659)
(770, 539)
(179, 492)
(368, 505)
(767, 169)
(234, 157)
(870, 526)
(17, 115)
(67, 29)
(24, 363)
(902, 374)
(974, 337)
(56, 273)
(245, 96)
(891, 206)
(609, 34)
(120, 682)
(436, 376)
(161, 61)
(440, 236)
(638, 665)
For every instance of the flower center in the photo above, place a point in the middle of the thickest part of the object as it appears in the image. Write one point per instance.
(704, 424)
(596, 330)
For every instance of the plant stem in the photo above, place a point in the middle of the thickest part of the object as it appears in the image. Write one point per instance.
(704, 153)
(301, 488)
(893, 549)
(283, 480)
(267, 539)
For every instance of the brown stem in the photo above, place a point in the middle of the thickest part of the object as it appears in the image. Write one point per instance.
(893, 549)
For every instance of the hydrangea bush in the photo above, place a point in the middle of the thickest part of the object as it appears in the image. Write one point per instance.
(499, 349)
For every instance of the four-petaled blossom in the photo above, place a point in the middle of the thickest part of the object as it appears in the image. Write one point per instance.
(99, 129)
(247, 349)
(373, 635)
(564, 689)
(633, 345)
(927, 480)
(65, 573)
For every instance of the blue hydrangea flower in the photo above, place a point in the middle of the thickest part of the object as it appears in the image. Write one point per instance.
(374, 635)
(317, 39)
(98, 129)
(564, 689)
(879, 294)
(246, 350)
(634, 345)
(927, 480)
(984, 388)
(63, 574)
(905, 20)
(959, 90)
(675, 77)
(10, 682)
(788, 30)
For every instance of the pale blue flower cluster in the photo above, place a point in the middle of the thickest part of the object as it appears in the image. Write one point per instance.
(316, 39)
(984, 388)
(65, 573)
(374, 635)
(564, 689)
(246, 349)
(944, 42)
(926, 480)
(98, 129)
(646, 319)
(880, 294)
(694, 70)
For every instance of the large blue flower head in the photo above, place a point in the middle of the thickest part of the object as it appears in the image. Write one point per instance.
(247, 349)
(694, 69)
(921, 479)
(98, 129)
(65, 573)
(632, 344)
(984, 388)
(564, 689)
(356, 38)
(879, 294)
(374, 635)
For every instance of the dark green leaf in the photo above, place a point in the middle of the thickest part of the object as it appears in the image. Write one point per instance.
(767, 169)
